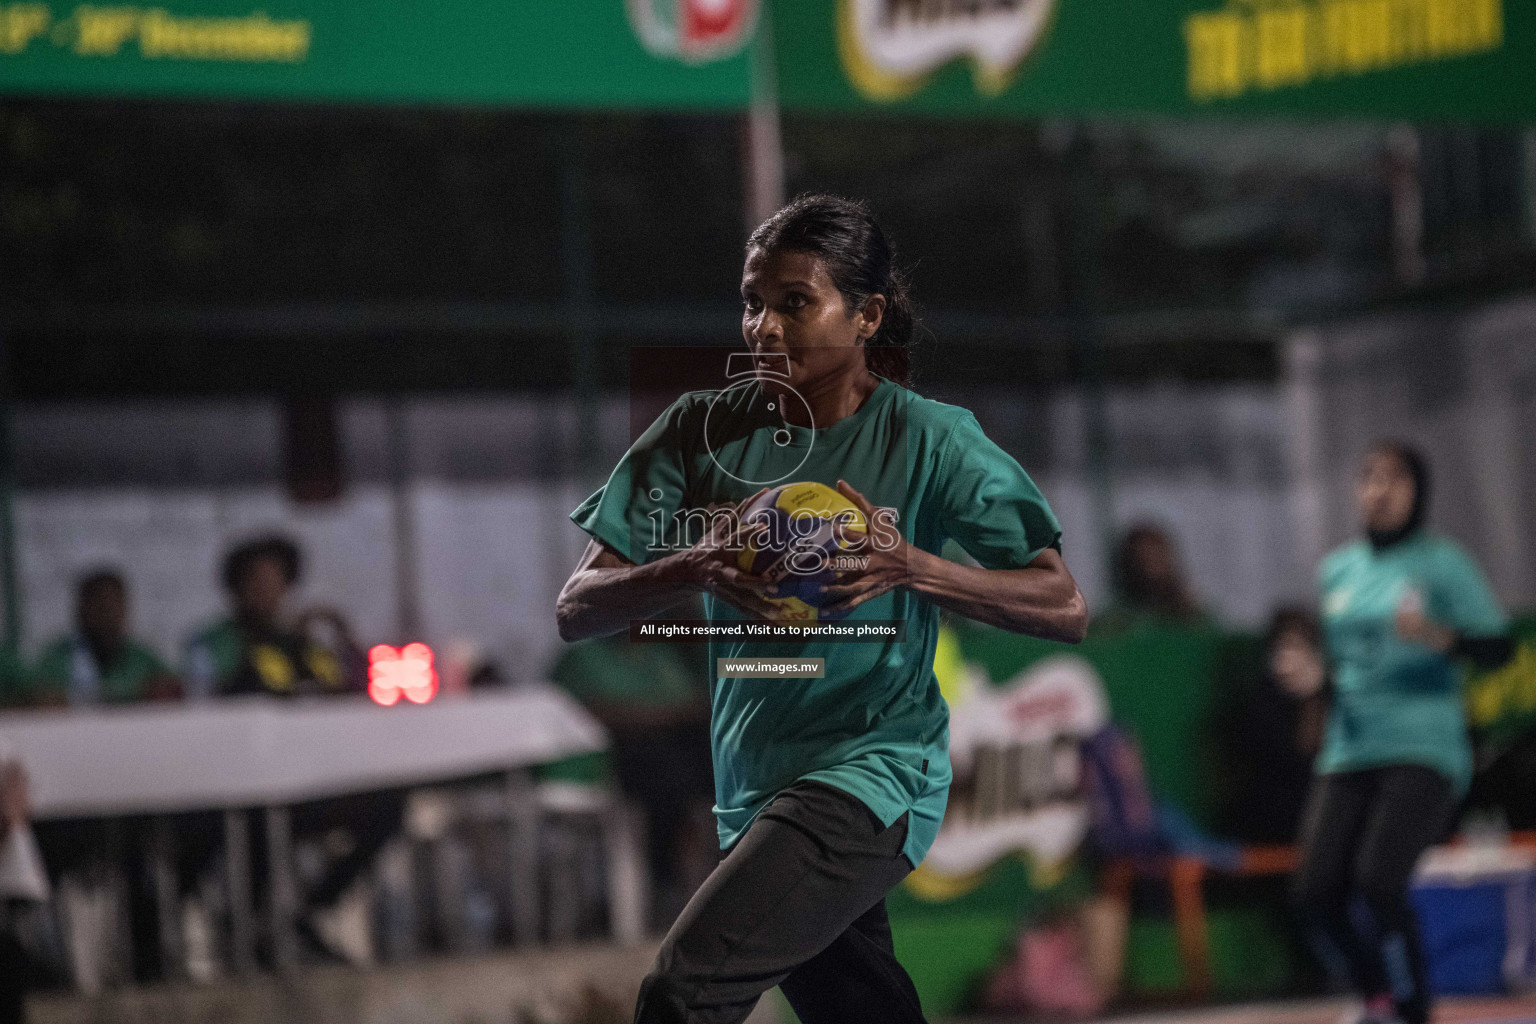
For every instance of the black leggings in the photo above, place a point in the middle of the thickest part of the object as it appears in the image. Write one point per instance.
(1361, 837)
(13, 977)
(799, 902)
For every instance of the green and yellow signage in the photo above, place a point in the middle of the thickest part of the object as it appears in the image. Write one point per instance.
(677, 54)
(1435, 59)
(1455, 59)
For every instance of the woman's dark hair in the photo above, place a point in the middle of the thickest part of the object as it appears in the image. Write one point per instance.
(1416, 466)
(239, 561)
(1170, 596)
(844, 236)
(1293, 618)
(103, 576)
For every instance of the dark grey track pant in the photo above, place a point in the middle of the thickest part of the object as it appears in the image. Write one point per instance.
(798, 902)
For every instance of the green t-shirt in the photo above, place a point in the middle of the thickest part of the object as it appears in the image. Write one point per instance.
(614, 670)
(875, 726)
(67, 669)
(14, 683)
(1397, 702)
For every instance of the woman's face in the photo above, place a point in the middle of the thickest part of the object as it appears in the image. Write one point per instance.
(260, 590)
(1384, 492)
(1153, 562)
(103, 611)
(792, 309)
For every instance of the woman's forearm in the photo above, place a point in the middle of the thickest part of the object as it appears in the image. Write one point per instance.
(600, 600)
(1039, 600)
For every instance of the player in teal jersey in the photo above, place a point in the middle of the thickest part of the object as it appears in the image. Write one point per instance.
(1400, 608)
(828, 790)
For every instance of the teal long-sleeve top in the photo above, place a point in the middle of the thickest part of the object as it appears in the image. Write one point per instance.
(1395, 701)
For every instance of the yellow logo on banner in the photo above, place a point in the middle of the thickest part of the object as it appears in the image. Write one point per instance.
(1272, 44)
(889, 47)
(91, 31)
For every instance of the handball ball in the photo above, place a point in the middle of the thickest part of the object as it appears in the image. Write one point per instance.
(810, 525)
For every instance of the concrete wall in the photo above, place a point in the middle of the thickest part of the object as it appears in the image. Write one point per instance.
(162, 489)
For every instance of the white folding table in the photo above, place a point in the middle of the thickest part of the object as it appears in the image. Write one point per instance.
(260, 752)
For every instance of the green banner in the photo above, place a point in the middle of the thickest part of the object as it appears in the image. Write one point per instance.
(1421, 59)
(571, 53)
(1453, 59)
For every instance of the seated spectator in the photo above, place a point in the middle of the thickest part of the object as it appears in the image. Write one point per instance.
(255, 650)
(1271, 730)
(100, 662)
(258, 650)
(651, 697)
(1149, 584)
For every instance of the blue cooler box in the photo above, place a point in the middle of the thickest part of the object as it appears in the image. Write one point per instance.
(1477, 911)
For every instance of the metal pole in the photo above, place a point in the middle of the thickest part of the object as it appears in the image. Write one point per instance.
(765, 143)
(629, 883)
(1306, 450)
(1528, 177)
(237, 875)
(1405, 186)
(10, 588)
(407, 607)
(1084, 302)
(581, 305)
(282, 889)
(523, 882)
(160, 845)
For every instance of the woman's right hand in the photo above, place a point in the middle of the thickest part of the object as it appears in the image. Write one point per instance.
(712, 564)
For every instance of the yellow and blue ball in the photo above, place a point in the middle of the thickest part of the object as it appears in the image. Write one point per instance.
(810, 526)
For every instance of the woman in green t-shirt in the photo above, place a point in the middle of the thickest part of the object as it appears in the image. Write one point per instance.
(1400, 607)
(830, 789)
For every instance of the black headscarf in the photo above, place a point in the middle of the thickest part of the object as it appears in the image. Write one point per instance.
(1418, 468)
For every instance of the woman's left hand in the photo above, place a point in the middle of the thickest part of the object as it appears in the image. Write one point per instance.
(888, 560)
